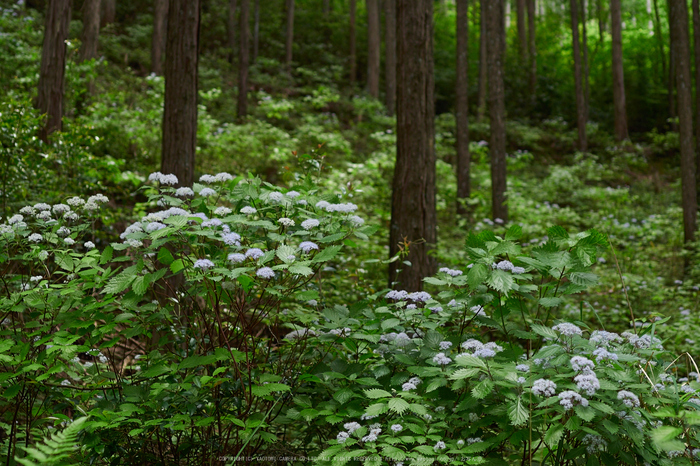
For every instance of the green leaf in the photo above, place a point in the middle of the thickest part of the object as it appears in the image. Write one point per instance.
(482, 389)
(120, 283)
(553, 434)
(517, 413)
(506, 247)
(398, 405)
(464, 359)
(437, 383)
(299, 269)
(376, 409)
(343, 395)
(284, 252)
(587, 413)
(327, 254)
(434, 281)
(514, 233)
(476, 275)
(140, 285)
(106, 255)
(551, 302)
(393, 453)
(464, 373)
(583, 278)
(665, 438)
(545, 331)
(501, 281)
(390, 323)
(375, 393)
(194, 361)
(176, 266)
(165, 257)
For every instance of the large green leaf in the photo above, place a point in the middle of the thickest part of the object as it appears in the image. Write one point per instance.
(517, 412)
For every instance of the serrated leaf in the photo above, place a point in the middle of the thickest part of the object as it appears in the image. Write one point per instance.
(517, 413)
(551, 302)
(390, 323)
(194, 361)
(665, 438)
(284, 253)
(398, 405)
(545, 331)
(343, 395)
(165, 257)
(299, 269)
(393, 453)
(553, 434)
(514, 233)
(476, 275)
(327, 254)
(418, 409)
(506, 248)
(464, 373)
(176, 266)
(120, 283)
(501, 281)
(435, 384)
(434, 281)
(376, 409)
(482, 389)
(375, 393)
(583, 278)
(140, 285)
(464, 359)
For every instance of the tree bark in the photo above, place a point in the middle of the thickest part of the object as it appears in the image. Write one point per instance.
(580, 98)
(680, 43)
(522, 30)
(289, 41)
(180, 111)
(160, 22)
(586, 70)
(353, 44)
(243, 60)
(533, 47)
(619, 99)
(231, 29)
(256, 30)
(91, 29)
(390, 54)
(374, 48)
(53, 64)
(109, 12)
(462, 111)
(497, 106)
(696, 39)
(413, 215)
(601, 20)
(483, 66)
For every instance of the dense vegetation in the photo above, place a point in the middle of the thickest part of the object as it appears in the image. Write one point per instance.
(249, 316)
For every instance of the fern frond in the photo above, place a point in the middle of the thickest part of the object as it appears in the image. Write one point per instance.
(55, 450)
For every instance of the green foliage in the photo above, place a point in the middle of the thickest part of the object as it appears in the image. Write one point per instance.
(56, 450)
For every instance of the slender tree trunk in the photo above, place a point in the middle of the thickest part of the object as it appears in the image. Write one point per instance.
(91, 29)
(413, 215)
(256, 30)
(231, 29)
(353, 44)
(53, 64)
(180, 111)
(290, 35)
(672, 79)
(680, 42)
(374, 48)
(696, 39)
(497, 106)
(483, 62)
(160, 21)
(580, 98)
(533, 47)
(390, 54)
(658, 33)
(586, 70)
(618, 72)
(243, 59)
(601, 20)
(109, 12)
(522, 29)
(462, 113)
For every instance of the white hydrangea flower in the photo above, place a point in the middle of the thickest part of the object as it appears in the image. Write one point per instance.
(570, 398)
(276, 196)
(544, 387)
(35, 238)
(204, 264)
(69, 241)
(293, 194)
(581, 363)
(440, 445)
(265, 272)
(310, 223)
(445, 345)
(356, 220)
(308, 246)
(248, 210)
(567, 329)
(441, 359)
(288, 222)
(206, 192)
(222, 211)
(396, 428)
(628, 398)
(587, 382)
(342, 437)
(184, 192)
(254, 253)
(351, 426)
(89, 245)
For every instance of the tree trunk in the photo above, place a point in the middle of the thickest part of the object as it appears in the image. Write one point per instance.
(522, 29)
(243, 60)
(231, 29)
(672, 87)
(160, 22)
(353, 44)
(256, 30)
(390, 57)
(580, 98)
(53, 64)
(678, 19)
(483, 59)
(586, 70)
(533, 47)
(374, 48)
(618, 73)
(289, 36)
(497, 106)
(462, 113)
(413, 216)
(601, 20)
(696, 39)
(108, 13)
(658, 33)
(180, 111)
(91, 29)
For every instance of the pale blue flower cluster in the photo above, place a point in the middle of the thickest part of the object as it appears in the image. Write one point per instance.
(544, 387)
(204, 264)
(450, 272)
(265, 272)
(309, 223)
(569, 398)
(308, 246)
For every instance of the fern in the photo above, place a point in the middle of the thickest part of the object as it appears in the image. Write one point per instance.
(54, 450)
